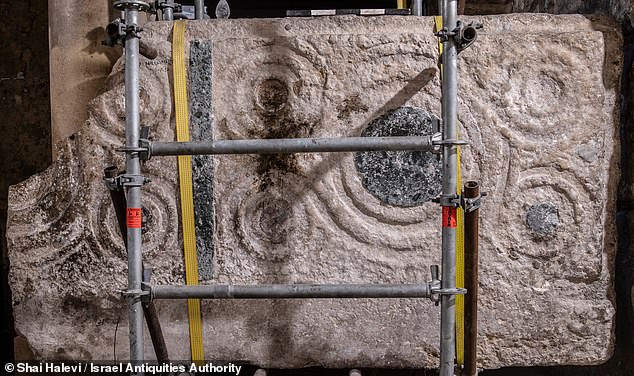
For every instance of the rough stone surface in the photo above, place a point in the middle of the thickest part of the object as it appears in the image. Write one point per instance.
(540, 112)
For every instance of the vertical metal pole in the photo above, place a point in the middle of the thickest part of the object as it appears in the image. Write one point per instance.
(471, 219)
(133, 167)
(199, 6)
(168, 13)
(417, 7)
(450, 164)
(119, 203)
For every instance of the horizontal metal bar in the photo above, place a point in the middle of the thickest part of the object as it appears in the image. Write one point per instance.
(289, 291)
(293, 145)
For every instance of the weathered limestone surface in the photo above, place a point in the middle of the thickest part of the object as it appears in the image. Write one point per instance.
(79, 63)
(538, 101)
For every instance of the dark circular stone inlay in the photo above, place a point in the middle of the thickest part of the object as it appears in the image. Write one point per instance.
(272, 94)
(400, 178)
(543, 218)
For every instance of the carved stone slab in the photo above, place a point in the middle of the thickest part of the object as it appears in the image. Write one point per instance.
(538, 102)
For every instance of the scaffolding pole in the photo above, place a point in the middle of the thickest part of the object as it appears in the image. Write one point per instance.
(357, 291)
(131, 9)
(449, 185)
(117, 195)
(471, 191)
(418, 8)
(295, 145)
(199, 9)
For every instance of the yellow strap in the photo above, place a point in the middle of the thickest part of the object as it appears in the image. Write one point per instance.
(460, 274)
(186, 188)
(438, 24)
(459, 242)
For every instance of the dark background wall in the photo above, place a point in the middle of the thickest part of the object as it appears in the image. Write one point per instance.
(25, 146)
(25, 134)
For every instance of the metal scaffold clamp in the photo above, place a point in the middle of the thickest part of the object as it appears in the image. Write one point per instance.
(464, 35)
(435, 286)
(135, 294)
(161, 5)
(128, 4)
(118, 31)
(449, 142)
(145, 144)
(453, 201)
(471, 204)
(454, 291)
(125, 180)
(456, 201)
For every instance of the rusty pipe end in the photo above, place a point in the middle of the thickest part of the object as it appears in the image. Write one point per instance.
(111, 172)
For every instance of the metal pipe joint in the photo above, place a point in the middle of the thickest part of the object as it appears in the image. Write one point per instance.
(118, 31)
(141, 6)
(464, 35)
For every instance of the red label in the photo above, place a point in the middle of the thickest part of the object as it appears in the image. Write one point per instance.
(133, 217)
(449, 217)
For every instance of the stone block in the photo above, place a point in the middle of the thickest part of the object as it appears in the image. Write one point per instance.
(538, 101)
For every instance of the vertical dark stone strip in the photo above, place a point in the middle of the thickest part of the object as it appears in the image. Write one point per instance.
(201, 119)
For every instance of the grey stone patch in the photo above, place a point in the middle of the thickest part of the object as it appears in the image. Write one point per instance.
(543, 218)
(400, 178)
(201, 125)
